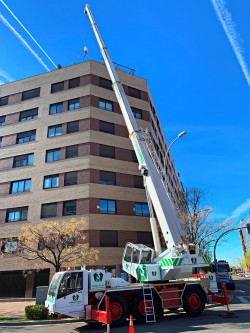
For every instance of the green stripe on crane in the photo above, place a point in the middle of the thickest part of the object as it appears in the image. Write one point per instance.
(171, 262)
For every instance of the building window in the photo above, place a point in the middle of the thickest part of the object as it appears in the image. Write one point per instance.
(133, 92)
(23, 160)
(26, 136)
(107, 206)
(20, 186)
(105, 105)
(53, 155)
(107, 151)
(73, 126)
(138, 182)
(4, 101)
(72, 151)
(73, 83)
(9, 246)
(17, 214)
(54, 131)
(49, 210)
(134, 157)
(104, 83)
(70, 178)
(69, 207)
(30, 94)
(106, 127)
(108, 238)
(51, 181)
(57, 87)
(107, 178)
(141, 209)
(28, 115)
(56, 108)
(73, 104)
(144, 237)
(1, 142)
(137, 113)
(2, 120)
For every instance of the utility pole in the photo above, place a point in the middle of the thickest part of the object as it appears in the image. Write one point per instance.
(243, 241)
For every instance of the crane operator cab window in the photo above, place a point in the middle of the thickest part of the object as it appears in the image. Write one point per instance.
(71, 282)
(146, 257)
(128, 254)
(138, 254)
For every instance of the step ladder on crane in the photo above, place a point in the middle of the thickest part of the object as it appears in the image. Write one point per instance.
(148, 304)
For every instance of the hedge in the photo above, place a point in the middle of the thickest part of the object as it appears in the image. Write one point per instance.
(36, 312)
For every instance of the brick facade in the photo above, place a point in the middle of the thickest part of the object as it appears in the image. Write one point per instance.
(88, 191)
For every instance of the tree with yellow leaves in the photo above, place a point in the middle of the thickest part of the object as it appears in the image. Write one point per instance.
(56, 243)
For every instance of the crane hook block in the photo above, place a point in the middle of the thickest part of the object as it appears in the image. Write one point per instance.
(144, 170)
(85, 50)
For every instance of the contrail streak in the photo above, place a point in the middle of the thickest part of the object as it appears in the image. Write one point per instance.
(8, 25)
(226, 21)
(5, 75)
(242, 208)
(28, 33)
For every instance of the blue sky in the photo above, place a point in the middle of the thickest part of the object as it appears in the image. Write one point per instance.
(196, 80)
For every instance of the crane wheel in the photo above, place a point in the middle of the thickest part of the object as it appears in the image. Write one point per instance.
(119, 310)
(193, 301)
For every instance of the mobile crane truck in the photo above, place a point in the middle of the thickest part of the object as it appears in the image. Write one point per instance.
(163, 275)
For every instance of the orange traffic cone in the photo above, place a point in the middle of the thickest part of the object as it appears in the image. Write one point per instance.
(131, 325)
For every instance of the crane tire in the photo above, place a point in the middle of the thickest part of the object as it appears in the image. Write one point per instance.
(119, 310)
(193, 301)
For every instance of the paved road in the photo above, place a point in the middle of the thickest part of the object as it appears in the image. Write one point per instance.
(210, 321)
(242, 292)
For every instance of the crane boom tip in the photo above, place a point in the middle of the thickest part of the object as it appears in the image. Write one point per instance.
(86, 7)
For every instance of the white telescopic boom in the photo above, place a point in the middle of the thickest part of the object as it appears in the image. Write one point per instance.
(164, 209)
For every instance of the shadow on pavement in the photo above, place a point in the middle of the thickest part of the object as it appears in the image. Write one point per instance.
(210, 321)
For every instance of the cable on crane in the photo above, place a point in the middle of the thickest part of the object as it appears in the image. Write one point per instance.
(85, 48)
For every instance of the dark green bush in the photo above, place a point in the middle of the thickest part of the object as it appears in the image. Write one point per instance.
(36, 312)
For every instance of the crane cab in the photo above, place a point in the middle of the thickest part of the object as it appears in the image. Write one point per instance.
(137, 254)
(137, 261)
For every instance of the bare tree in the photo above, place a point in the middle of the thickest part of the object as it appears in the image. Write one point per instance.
(56, 243)
(196, 219)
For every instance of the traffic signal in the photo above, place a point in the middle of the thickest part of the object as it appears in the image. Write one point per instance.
(248, 228)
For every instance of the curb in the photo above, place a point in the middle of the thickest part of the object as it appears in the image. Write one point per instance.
(17, 300)
(41, 322)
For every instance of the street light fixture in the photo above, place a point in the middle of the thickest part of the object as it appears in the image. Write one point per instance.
(217, 240)
(180, 135)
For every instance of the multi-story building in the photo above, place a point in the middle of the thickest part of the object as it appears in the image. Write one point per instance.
(64, 150)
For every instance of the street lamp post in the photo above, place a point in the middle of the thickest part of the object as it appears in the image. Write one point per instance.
(180, 135)
(217, 240)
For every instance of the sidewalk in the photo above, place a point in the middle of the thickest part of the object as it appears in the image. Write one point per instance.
(14, 309)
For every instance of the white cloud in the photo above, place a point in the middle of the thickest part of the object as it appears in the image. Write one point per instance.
(241, 209)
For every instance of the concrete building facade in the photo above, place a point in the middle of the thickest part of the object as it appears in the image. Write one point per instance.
(64, 150)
